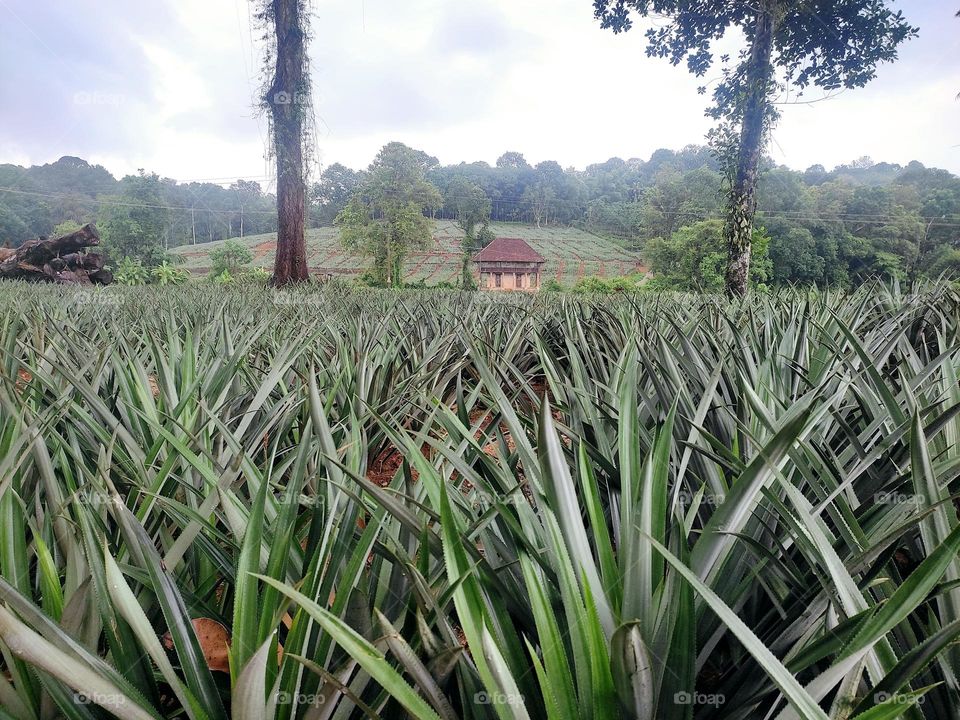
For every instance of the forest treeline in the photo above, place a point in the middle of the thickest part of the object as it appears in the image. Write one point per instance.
(816, 226)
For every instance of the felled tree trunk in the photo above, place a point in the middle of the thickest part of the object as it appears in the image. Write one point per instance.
(57, 260)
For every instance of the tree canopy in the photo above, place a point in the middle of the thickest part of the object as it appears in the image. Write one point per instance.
(788, 45)
(865, 217)
(831, 44)
(385, 219)
(471, 207)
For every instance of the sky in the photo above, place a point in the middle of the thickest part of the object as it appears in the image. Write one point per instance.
(171, 86)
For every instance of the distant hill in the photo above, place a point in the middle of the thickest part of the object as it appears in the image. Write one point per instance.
(571, 253)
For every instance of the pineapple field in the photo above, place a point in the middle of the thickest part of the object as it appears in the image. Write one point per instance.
(333, 503)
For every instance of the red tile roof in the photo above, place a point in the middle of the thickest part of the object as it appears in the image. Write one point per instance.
(509, 250)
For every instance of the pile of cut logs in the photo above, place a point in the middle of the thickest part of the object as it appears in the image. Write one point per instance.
(57, 260)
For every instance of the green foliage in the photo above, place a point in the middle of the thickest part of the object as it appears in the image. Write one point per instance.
(552, 285)
(863, 34)
(786, 49)
(890, 265)
(467, 280)
(131, 272)
(913, 212)
(470, 206)
(65, 228)
(600, 286)
(667, 506)
(241, 276)
(167, 274)
(224, 277)
(694, 258)
(13, 229)
(678, 199)
(384, 220)
(369, 279)
(134, 224)
(330, 195)
(946, 261)
(256, 275)
(82, 193)
(231, 257)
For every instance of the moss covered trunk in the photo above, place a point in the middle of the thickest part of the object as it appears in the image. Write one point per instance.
(743, 194)
(288, 101)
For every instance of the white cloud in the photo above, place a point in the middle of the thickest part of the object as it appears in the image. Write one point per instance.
(464, 81)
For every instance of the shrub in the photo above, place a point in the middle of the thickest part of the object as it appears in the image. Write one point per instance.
(230, 256)
(65, 228)
(131, 272)
(167, 274)
(606, 286)
(256, 275)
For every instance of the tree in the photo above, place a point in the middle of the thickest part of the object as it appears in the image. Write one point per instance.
(795, 258)
(693, 258)
(288, 99)
(831, 44)
(677, 199)
(470, 206)
(247, 195)
(331, 194)
(513, 161)
(384, 220)
(13, 230)
(134, 225)
(538, 197)
(231, 256)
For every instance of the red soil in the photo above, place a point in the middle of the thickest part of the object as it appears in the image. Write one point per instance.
(263, 249)
(562, 265)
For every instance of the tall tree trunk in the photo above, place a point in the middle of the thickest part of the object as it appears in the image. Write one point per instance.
(743, 193)
(287, 104)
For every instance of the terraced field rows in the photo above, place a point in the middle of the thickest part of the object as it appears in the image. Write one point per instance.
(571, 253)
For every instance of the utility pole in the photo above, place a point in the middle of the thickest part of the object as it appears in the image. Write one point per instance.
(240, 203)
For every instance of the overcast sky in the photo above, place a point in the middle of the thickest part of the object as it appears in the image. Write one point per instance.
(169, 85)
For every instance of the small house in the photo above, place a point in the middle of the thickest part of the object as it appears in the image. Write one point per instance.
(509, 264)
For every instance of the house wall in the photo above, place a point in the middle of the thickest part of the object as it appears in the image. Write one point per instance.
(526, 278)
